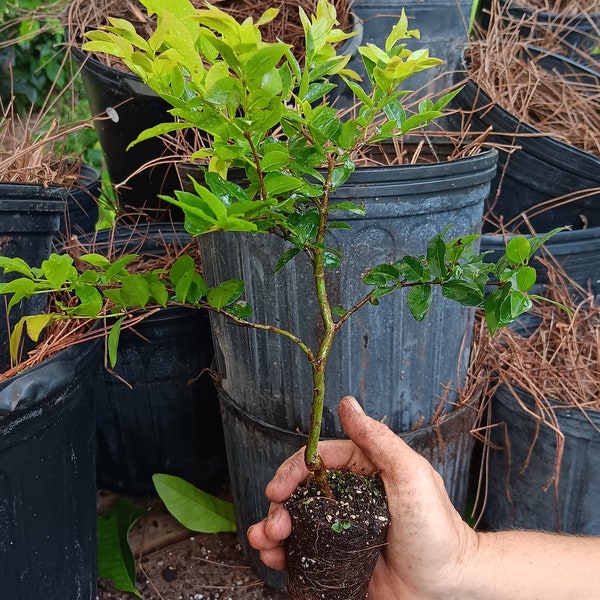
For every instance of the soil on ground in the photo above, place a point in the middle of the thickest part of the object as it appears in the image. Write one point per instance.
(176, 564)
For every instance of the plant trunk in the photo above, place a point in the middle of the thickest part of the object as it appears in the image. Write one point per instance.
(335, 542)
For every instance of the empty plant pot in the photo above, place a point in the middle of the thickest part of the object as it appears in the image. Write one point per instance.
(159, 412)
(521, 491)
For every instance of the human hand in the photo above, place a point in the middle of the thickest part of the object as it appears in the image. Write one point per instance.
(428, 542)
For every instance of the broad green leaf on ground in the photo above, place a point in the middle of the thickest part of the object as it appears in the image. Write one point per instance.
(193, 508)
(115, 559)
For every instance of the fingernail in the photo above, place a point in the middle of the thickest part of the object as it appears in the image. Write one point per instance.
(352, 402)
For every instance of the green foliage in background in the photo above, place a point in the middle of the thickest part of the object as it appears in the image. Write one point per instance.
(38, 76)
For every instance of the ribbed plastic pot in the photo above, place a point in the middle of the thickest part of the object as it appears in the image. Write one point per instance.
(132, 107)
(543, 168)
(29, 218)
(256, 448)
(166, 418)
(47, 478)
(521, 494)
(396, 366)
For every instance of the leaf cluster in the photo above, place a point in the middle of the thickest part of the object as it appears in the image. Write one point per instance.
(262, 112)
(102, 289)
(463, 275)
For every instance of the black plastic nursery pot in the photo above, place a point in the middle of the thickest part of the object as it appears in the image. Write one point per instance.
(47, 478)
(160, 413)
(129, 107)
(398, 368)
(81, 214)
(578, 33)
(521, 492)
(168, 421)
(29, 219)
(256, 448)
(543, 169)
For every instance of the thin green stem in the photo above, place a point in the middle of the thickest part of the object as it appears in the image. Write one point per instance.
(311, 457)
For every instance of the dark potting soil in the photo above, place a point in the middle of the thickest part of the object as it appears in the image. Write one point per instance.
(335, 542)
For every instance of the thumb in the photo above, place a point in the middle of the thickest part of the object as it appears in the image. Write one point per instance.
(379, 443)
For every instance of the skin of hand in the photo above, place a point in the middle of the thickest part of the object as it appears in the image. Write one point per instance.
(432, 554)
(428, 542)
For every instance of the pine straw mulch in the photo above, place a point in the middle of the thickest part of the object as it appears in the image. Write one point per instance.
(563, 106)
(86, 15)
(68, 332)
(32, 148)
(564, 7)
(553, 355)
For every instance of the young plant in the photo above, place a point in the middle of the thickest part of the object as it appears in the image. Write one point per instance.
(272, 118)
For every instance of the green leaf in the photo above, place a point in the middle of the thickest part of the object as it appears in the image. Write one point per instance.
(58, 269)
(463, 292)
(115, 559)
(96, 260)
(15, 265)
(419, 300)
(279, 183)
(112, 342)
(525, 278)
(285, 258)
(349, 206)
(436, 257)
(135, 291)
(91, 301)
(226, 293)
(241, 309)
(181, 267)
(193, 508)
(15, 339)
(411, 268)
(341, 173)
(519, 303)
(518, 250)
(36, 324)
(331, 260)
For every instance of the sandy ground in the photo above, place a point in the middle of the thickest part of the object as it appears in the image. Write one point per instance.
(176, 564)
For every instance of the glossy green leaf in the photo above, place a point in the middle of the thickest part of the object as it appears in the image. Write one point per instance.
(112, 342)
(525, 278)
(135, 291)
(348, 206)
(286, 257)
(518, 250)
(419, 300)
(411, 268)
(240, 309)
(180, 268)
(436, 257)
(463, 292)
(192, 507)
(226, 293)
(115, 559)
